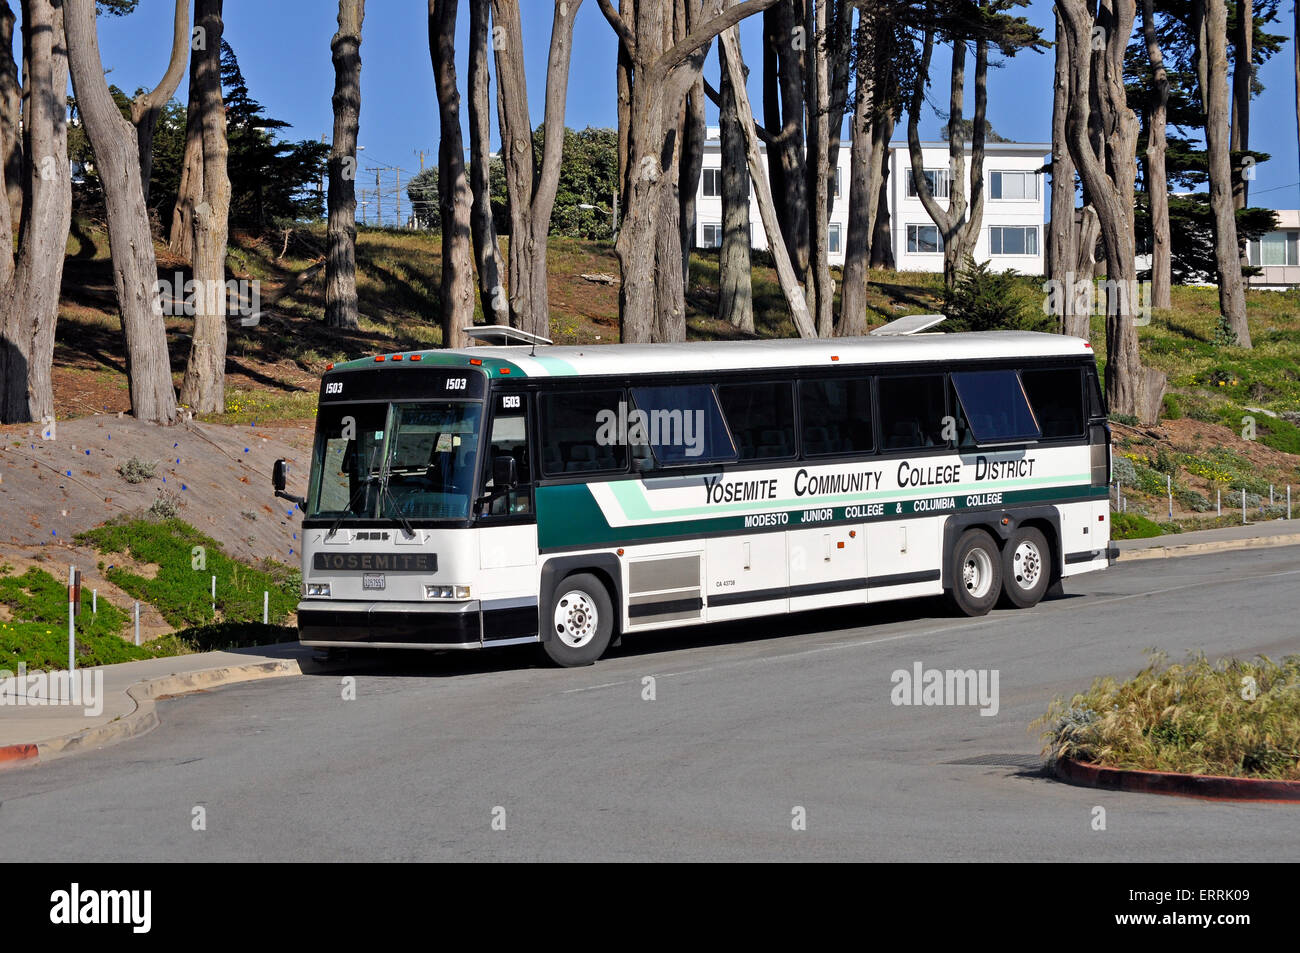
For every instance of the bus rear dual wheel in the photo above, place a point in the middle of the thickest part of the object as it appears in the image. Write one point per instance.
(1018, 573)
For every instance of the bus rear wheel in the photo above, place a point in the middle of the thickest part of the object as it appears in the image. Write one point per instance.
(1026, 567)
(582, 621)
(977, 573)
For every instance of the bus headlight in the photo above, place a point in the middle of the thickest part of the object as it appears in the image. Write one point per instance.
(318, 589)
(446, 592)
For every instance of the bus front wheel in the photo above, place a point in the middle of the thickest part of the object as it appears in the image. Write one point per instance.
(1026, 568)
(977, 573)
(582, 621)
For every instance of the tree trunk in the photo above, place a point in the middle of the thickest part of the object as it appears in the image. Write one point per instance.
(30, 306)
(1157, 182)
(735, 278)
(341, 232)
(181, 240)
(204, 387)
(689, 168)
(803, 321)
(1062, 237)
(864, 170)
(1108, 182)
(531, 185)
(487, 254)
(455, 197)
(623, 77)
(1243, 75)
(1232, 299)
(792, 40)
(817, 96)
(11, 133)
(882, 232)
(146, 106)
(135, 270)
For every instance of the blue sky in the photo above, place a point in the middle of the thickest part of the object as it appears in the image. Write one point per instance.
(283, 49)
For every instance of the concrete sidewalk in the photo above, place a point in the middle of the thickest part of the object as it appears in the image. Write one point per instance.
(1263, 533)
(129, 691)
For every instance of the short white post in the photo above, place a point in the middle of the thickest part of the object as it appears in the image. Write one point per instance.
(1169, 488)
(137, 623)
(1288, 501)
(72, 622)
(94, 602)
(1218, 502)
(266, 607)
(214, 595)
(1270, 494)
(1243, 506)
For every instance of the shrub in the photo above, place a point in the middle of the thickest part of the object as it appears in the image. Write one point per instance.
(136, 470)
(985, 300)
(1133, 526)
(1173, 409)
(166, 505)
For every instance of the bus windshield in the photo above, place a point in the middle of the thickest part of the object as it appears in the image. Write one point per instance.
(412, 461)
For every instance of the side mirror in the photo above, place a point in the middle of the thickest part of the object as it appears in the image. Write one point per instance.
(280, 475)
(505, 473)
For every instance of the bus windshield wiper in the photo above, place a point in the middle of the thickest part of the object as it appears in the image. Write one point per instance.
(371, 476)
(385, 495)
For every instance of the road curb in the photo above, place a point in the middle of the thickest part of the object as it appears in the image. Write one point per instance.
(145, 717)
(1219, 546)
(1210, 787)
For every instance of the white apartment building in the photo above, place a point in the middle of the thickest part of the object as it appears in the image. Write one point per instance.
(1011, 234)
(1277, 253)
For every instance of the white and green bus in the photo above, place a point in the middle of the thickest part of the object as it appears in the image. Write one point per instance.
(524, 492)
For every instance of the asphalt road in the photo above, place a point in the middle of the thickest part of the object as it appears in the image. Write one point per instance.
(748, 724)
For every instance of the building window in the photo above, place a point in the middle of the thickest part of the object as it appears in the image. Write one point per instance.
(712, 237)
(1013, 240)
(1013, 186)
(835, 186)
(937, 179)
(1275, 248)
(712, 181)
(924, 239)
(833, 240)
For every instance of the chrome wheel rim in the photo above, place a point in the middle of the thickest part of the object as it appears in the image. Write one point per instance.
(977, 573)
(1027, 563)
(576, 619)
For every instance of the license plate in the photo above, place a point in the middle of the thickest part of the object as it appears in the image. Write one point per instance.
(372, 581)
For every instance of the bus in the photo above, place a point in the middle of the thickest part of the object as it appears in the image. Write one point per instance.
(515, 491)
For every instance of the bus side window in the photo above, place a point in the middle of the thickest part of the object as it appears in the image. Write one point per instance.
(509, 439)
(911, 412)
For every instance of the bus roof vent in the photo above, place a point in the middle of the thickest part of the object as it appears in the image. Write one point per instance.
(908, 324)
(502, 334)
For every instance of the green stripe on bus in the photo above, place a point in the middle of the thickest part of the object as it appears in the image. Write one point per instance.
(568, 516)
(632, 500)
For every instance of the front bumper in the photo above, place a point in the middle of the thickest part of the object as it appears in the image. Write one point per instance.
(405, 625)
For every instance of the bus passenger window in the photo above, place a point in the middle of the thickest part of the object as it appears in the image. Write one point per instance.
(1056, 395)
(761, 418)
(911, 412)
(580, 432)
(836, 416)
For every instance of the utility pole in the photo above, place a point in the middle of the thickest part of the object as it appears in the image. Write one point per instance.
(420, 153)
(398, 172)
(379, 201)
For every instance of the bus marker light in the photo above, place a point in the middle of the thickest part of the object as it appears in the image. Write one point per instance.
(416, 357)
(329, 366)
(1005, 521)
(476, 362)
(839, 545)
(853, 534)
(620, 552)
(397, 357)
(835, 357)
(505, 370)
(379, 358)
(1087, 344)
